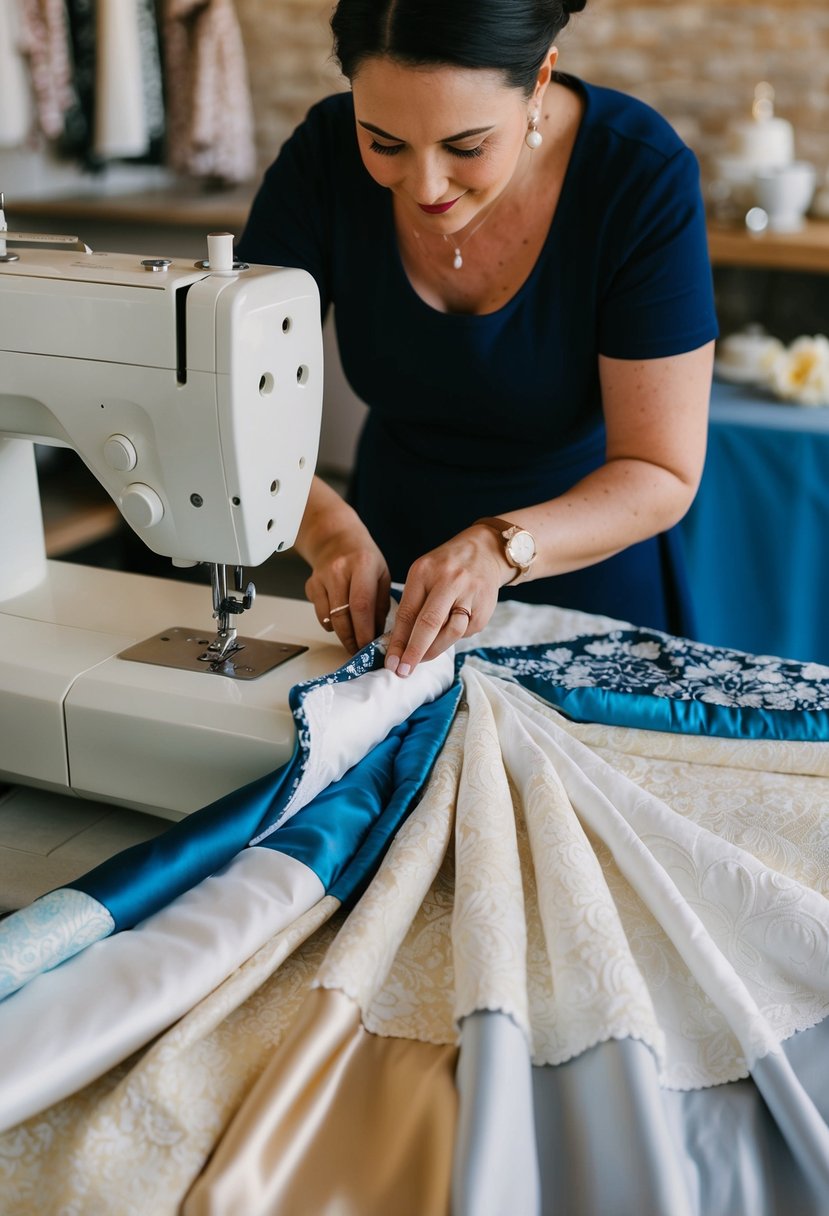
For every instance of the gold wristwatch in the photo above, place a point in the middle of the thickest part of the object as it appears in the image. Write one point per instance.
(519, 545)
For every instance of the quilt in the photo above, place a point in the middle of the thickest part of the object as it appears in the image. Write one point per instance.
(510, 936)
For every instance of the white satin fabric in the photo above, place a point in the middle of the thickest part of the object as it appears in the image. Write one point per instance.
(70, 1025)
(345, 720)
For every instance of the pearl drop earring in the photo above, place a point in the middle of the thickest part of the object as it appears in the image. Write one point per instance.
(533, 138)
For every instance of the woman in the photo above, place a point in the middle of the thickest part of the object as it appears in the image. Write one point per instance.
(523, 299)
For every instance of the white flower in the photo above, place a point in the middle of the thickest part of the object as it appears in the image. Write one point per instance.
(801, 372)
(602, 649)
(560, 655)
(646, 650)
(815, 671)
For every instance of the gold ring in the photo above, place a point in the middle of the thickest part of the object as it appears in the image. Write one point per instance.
(459, 608)
(326, 620)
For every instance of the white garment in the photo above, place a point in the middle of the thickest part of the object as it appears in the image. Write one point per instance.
(120, 120)
(16, 109)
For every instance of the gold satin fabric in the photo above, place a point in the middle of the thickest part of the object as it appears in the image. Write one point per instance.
(342, 1122)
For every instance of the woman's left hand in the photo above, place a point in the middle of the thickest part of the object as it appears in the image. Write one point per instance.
(450, 593)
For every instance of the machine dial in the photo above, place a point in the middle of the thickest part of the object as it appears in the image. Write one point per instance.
(120, 453)
(140, 505)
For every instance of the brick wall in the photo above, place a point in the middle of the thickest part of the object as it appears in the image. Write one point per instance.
(696, 62)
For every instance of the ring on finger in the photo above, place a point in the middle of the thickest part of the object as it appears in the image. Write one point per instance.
(326, 620)
(460, 608)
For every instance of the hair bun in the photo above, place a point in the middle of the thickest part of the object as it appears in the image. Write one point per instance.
(573, 6)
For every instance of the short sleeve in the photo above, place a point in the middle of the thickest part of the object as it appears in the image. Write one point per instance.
(659, 300)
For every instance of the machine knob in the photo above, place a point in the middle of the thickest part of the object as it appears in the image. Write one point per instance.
(140, 505)
(120, 453)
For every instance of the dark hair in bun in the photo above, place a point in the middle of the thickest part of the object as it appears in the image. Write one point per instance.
(511, 36)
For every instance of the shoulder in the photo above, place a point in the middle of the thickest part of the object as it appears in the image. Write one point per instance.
(624, 123)
(332, 115)
(632, 164)
(324, 141)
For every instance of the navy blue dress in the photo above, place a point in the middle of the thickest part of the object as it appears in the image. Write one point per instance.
(476, 415)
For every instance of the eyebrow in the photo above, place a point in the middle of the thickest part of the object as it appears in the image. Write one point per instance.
(450, 139)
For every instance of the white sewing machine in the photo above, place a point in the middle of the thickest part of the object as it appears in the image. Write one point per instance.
(194, 394)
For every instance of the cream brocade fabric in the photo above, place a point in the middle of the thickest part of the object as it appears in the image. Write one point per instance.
(547, 924)
(535, 876)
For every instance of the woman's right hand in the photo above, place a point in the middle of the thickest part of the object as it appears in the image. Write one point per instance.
(349, 588)
(350, 581)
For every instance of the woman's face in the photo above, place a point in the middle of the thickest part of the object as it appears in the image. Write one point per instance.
(445, 140)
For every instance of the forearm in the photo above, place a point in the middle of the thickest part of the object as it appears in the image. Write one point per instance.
(327, 516)
(617, 505)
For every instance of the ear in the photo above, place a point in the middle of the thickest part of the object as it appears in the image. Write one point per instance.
(545, 74)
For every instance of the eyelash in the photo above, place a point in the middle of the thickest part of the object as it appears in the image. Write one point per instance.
(393, 149)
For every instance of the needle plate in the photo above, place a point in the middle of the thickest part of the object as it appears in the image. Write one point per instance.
(183, 648)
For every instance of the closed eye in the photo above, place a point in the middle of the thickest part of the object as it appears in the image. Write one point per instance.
(385, 149)
(465, 153)
(393, 149)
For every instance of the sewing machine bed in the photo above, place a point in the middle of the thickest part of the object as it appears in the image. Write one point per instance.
(543, 928)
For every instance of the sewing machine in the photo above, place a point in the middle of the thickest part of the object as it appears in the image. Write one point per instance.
(193, 392)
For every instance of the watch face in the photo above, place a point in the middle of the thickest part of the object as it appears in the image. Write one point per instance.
(521, 548)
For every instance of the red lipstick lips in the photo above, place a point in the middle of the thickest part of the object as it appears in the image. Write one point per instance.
(437, 208)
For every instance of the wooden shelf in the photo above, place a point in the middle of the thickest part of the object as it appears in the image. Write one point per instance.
(176, 205)
(183, 206)
(805, 250)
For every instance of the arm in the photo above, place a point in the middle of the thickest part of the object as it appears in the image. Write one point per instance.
(656, 414)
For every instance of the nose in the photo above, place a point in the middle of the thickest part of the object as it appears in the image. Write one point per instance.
(427, 181)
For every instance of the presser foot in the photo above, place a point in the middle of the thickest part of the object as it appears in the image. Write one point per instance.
(190, 650)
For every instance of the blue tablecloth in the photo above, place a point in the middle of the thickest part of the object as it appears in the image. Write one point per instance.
(757, 536)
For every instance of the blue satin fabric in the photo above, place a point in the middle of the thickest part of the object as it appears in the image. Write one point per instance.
(343, 834)
(358, 814)
(140, 880)
(648, 712)
(145, 878)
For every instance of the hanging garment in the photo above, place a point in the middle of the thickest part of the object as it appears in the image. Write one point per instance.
(45, 42)
(16, 112)
(209, 109)
(121, 127)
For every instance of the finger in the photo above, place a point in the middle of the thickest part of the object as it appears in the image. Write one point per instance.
(363, 603)
(416, 629)
(458, 625)
(324, 602)
(343, 627)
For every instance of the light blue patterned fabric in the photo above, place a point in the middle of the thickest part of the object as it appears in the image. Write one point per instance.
(651, 680)
(50, 930)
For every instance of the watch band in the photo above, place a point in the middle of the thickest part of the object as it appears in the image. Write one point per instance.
(506, 531)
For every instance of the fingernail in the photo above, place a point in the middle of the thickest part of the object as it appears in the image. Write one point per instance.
(391, 662)
(404, 669)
